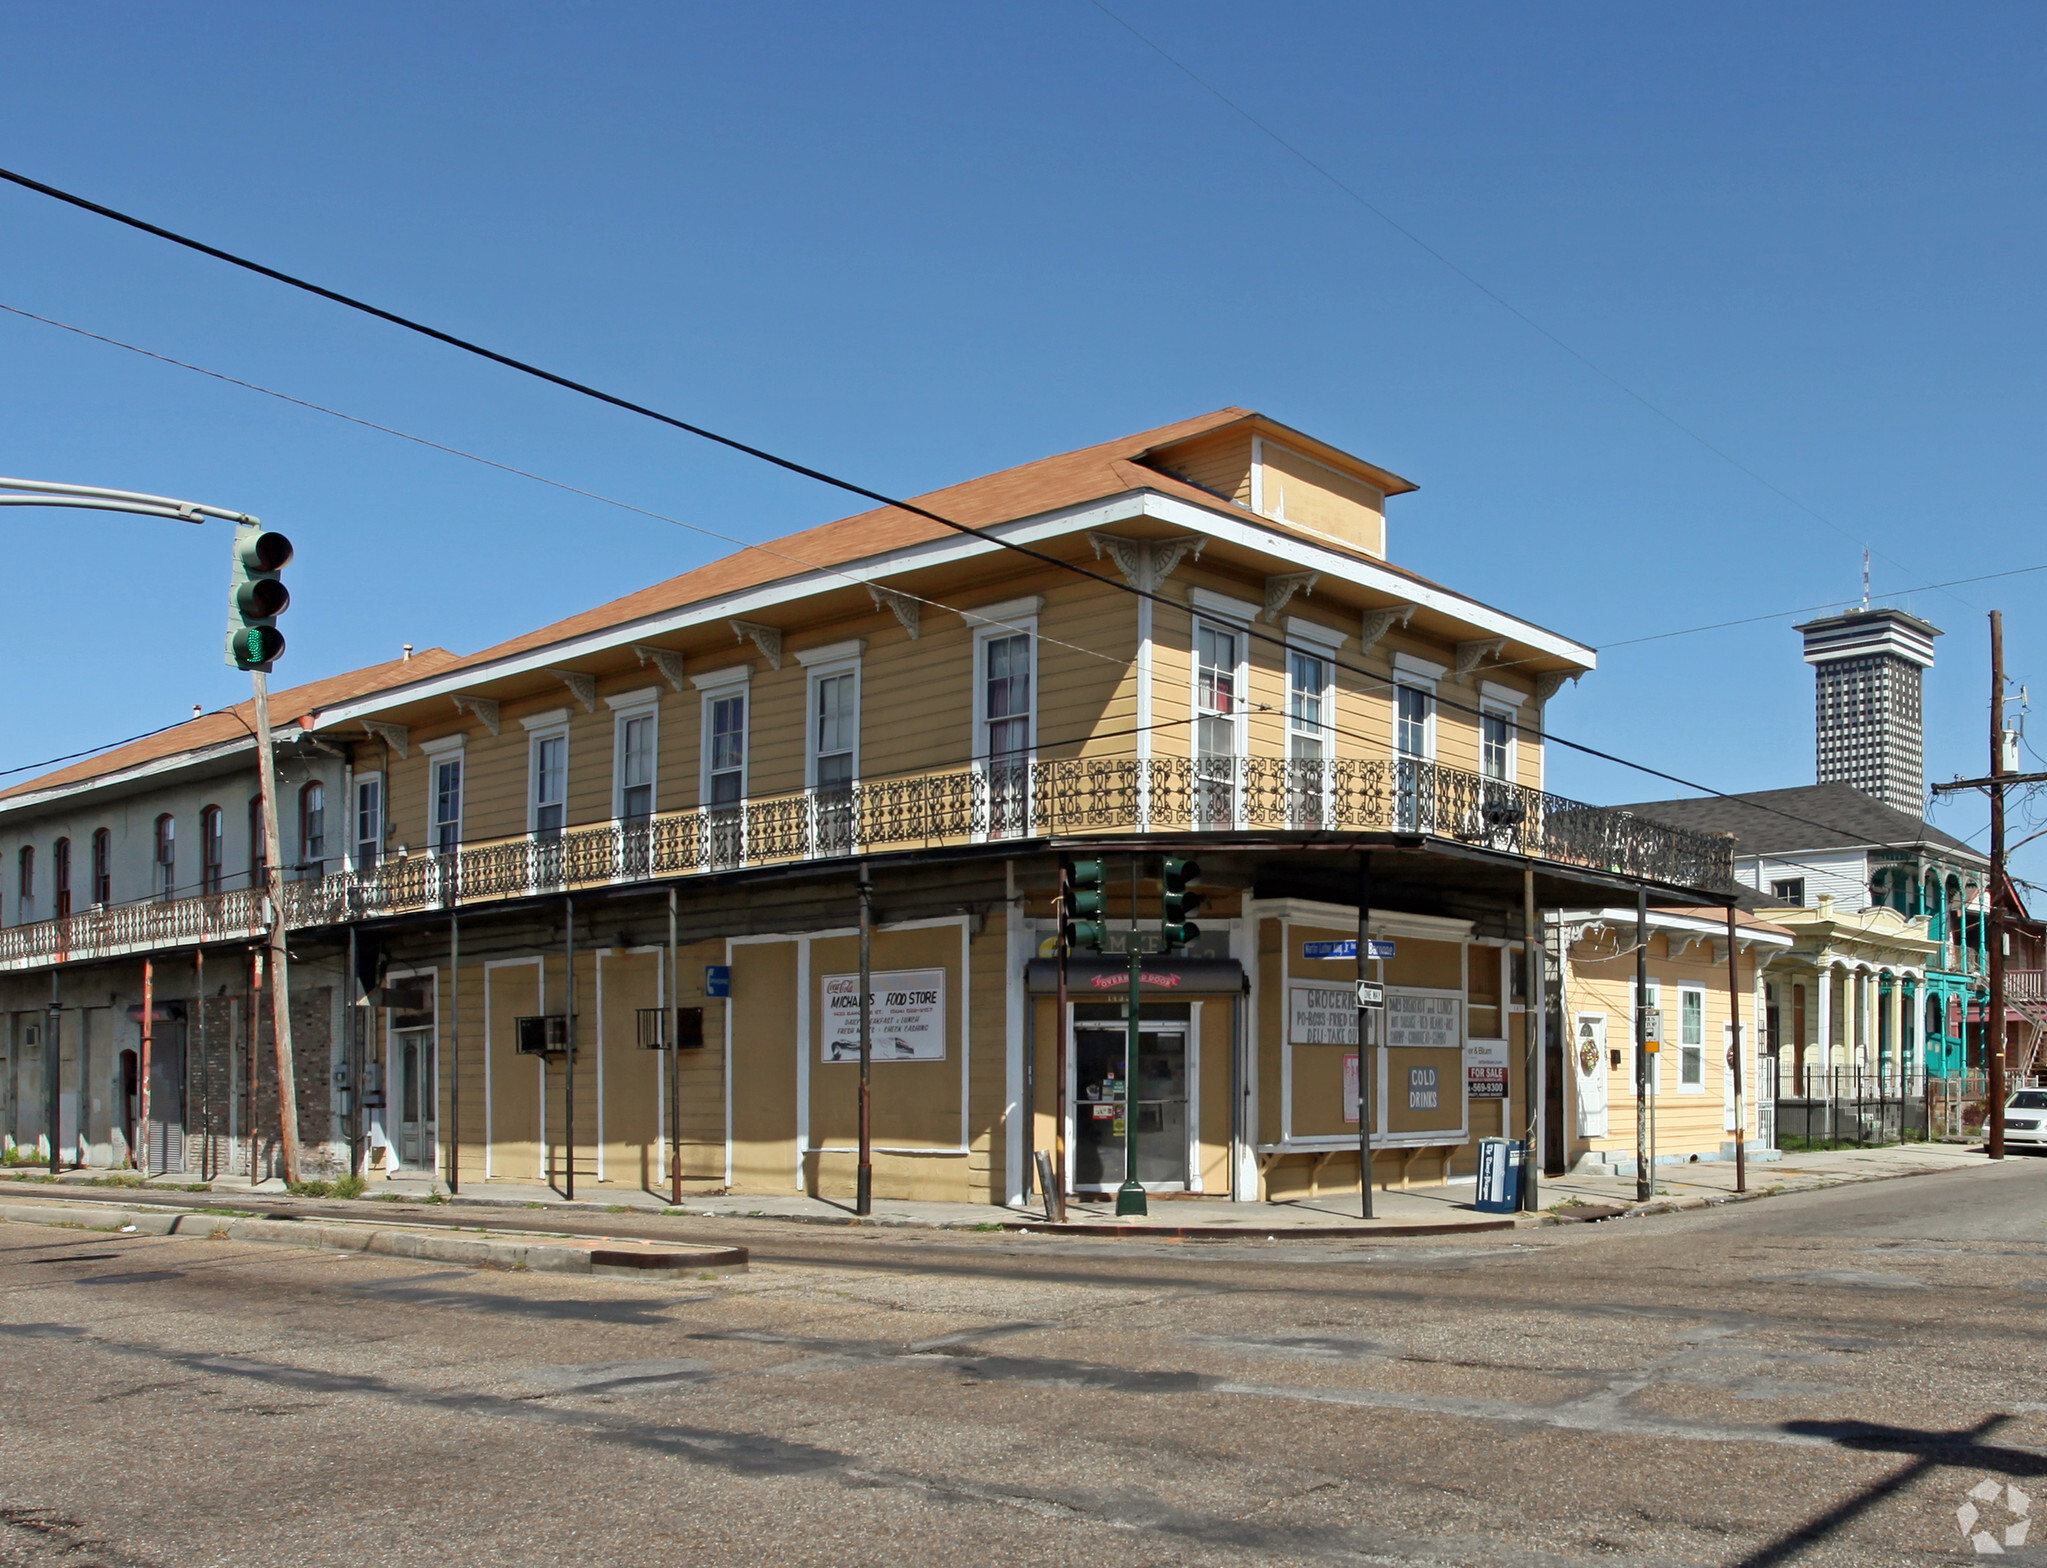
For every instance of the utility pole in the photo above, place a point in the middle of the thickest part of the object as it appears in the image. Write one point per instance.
(863, 1178)
(1645, 1181)
(273, 892)
(1993, 1018)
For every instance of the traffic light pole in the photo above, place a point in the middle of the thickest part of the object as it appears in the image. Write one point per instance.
(280, 990)
(1130, 1196)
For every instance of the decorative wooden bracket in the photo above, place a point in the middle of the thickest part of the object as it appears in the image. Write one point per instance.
(485, 708)
(396, 736)
(582, 687)
(1470, 653)
(1377, 623)
(666, 660)
(906, 607)
(1145, 563)
(766, 638)
(1280, 589)
(1550, 682)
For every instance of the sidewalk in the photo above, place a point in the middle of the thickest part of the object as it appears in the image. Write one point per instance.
(1418, 1211)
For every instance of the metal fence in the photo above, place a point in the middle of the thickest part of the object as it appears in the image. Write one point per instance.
(1852, 1104)
(973, 805)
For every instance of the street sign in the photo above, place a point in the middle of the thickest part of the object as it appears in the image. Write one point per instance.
(1380, 947)
(717, 979)
(1371, 994)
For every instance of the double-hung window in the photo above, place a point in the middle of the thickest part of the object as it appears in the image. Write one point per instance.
(25, 885)
(834, 758)
(1005, 716)
(1691, 1039)
(60, 878)
(102, 866)
(313, 830)
(1218, 722)
(166, 856)
(550, 783)
(1496, 745)
(212, 850)
(722, 788)
(1414, 741)
(635, 728)
(369, 820)
(1310, 737)
(447, 801)
(259, 845)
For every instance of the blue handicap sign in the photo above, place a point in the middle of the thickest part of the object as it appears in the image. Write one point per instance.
(717, 979)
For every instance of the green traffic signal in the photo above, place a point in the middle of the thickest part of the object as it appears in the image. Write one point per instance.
(1087, 903)
(1177, 904)
(255, 597)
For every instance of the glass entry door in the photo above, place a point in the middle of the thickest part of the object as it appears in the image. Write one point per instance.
(413, 1070)
(1099, 1106)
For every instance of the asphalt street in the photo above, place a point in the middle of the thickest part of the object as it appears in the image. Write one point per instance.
(1817, 1378)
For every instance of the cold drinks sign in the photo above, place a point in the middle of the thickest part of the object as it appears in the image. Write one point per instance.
(906, 1016)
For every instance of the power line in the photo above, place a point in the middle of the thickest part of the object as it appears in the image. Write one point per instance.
(73, 756)
(791, 466)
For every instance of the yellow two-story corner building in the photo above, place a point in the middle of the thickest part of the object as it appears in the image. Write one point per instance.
(653, 823)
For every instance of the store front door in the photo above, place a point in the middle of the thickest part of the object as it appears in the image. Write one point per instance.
(1100, 1105)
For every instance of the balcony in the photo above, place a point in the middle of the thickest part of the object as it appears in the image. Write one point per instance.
(1258, 798)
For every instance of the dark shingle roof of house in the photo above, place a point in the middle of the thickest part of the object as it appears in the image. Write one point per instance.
(1813, 816)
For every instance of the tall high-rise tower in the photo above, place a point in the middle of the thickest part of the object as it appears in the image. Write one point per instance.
(1868, 731)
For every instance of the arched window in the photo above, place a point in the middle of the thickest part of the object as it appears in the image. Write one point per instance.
(259, 855)
(1953, 904)
(312, 829)
(60, 878)
(166, 856)
(211, 850)
(102, 866)
(25, 886)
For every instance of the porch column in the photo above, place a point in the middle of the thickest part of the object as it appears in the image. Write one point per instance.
(1823, 1027)
(1894, 1032)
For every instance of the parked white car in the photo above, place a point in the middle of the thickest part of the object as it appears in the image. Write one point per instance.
(2025, 1118)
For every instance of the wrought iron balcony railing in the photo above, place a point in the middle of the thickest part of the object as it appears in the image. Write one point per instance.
(1005, 801)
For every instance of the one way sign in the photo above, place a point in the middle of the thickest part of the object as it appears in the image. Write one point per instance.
(1371, 994)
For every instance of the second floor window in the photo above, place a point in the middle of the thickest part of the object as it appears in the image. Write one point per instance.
(1495, 745)
(166, 856)
(550, 783)
(210, 850)
(1788, 890)
(60, 878)
(725, 765)
(1691, 1040)
(369, 821)
(1307, 700)
(636, 766)
(1411, 721)
(102, 866)
(25, 885)
(448, 803)
(836, 721)
(1215, 691)
(259, 845)
(1007, 697)
(313, 828)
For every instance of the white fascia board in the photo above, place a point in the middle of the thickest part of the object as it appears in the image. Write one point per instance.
(749, 603)
(1667, 920)
(141, 773)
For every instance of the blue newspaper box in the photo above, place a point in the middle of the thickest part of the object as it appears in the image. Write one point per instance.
(1499, 1174)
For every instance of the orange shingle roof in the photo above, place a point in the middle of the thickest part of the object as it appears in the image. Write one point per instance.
(238, 722)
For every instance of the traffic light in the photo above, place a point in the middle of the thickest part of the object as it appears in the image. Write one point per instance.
(1178, 904)
(255, 597)
(1087, 903)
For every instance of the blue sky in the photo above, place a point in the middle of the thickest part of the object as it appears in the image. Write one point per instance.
(918, 242)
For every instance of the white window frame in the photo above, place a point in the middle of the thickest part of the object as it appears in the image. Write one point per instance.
(1506, 703)
(1210, 613)
(625, 707)
(444, 748)
(355, 838)
(719, 684)
(1685, 992)
(1422, 676)
(541, 727)
(821, 664)
(999, 623)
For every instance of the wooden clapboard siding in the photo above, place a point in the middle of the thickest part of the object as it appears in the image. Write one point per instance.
(1220, 464)
(633, 1076)
(988, 1084)
(514, 991)
(917, 697)
(764, 988)
(1298, 490)
(1087, 684)
(701, 1079)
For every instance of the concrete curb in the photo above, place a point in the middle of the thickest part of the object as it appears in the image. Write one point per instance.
(596, 1256)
